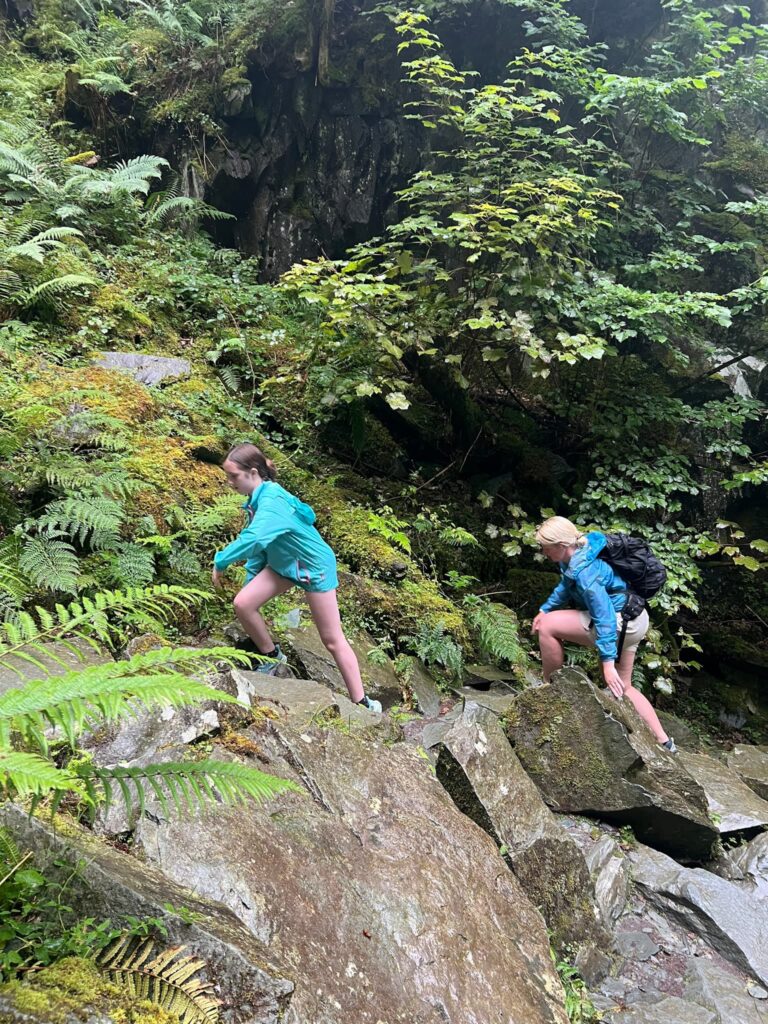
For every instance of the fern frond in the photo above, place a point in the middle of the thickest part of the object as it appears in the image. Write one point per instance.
(167, 979)
(23, 774)
(133, 565)
(186, 208)
(9, 851)
(94, 518)
(54, 287)
(50, 563)
(497, 628)
(186, 786)
(91, 619)
(109, 692)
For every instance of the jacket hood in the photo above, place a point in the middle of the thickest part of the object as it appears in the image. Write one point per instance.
(301, 509)
(585, 556)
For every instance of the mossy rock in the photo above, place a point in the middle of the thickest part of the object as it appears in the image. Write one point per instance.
(74, 990)
(529, 589)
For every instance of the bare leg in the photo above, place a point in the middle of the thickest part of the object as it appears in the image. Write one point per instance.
(555, 628)
(262, 588)
(642, 705)
(325, 612)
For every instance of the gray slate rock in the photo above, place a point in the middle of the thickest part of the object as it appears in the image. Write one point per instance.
(610, 874)
(480, 770)
(110, 884)
(360, 886)
(730, 920)
(732, 804)
(747, 864)
(149, 370)
(591, 754)
(710, 985)
(751, 764)
(380, 680)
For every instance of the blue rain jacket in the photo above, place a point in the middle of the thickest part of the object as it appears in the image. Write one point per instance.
(280, 533)
(590, 584)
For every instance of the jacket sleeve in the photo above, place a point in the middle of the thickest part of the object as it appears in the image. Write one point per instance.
(270, 521)
(557, 599)
(599, 606)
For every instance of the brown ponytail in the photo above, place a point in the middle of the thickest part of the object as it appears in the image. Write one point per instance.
(248, 456)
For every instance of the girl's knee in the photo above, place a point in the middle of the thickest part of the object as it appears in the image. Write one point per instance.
(241, 603)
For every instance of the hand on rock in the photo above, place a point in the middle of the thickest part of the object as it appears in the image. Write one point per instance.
(613, 680)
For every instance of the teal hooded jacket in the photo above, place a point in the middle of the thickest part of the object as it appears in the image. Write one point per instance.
(590, 584)
(280, 533)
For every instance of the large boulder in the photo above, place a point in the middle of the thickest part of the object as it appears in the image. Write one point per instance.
(478, 767)
(731, 919)
(733, 806)
(389, 904)
(751, 764)
(591, 754)
(111, 884)
(747, 864)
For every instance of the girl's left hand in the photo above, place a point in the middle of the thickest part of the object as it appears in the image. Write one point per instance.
(218, 582)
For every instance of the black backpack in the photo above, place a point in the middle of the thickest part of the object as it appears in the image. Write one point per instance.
(632, 559)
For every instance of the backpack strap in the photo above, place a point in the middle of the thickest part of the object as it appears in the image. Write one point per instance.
(622, 636)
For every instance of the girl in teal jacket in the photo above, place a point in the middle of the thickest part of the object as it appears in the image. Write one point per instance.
(281, 548)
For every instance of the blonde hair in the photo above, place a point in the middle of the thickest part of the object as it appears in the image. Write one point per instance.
(559, 530)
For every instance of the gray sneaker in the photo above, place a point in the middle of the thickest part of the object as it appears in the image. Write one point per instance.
(670, 746)
(268, 668)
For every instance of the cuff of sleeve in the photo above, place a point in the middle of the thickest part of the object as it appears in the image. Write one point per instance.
(607, 657)
(219, 563)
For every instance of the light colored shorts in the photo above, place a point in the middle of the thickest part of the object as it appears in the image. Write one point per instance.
(636, 629)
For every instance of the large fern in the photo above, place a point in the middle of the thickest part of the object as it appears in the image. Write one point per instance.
(79, 699)
(50, 563)
(95, 519)
(497, 629)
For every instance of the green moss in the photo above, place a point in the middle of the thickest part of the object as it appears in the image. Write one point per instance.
(75, 986)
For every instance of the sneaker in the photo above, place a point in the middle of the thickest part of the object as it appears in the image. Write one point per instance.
(670, 746)
(371, 705)
(268, 668)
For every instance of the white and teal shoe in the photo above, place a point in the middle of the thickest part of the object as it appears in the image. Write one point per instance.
(268, 668)
(371, 705)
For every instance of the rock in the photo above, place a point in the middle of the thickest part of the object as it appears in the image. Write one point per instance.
(591, 754)
(57, 659)
(710, 985)
(300, 701)
(671, 1010)
(482, 677)
(733, 806)
(380, 680)
(634, 944)
(110, 884)
(486, 780)
(747, 863)
(149, 370)
(362, 886)
(424, 688)
(610, 876)
(751, 763)
(685, 737)
(496, 699)
(729, 919)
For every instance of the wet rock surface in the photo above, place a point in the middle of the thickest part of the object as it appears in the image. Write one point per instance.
(591, 754)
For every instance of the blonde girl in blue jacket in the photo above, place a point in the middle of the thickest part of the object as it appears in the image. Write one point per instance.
(585, 608)
(282, 549)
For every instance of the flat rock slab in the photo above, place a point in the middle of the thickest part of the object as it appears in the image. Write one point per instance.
(610, 874)
(733, 806)
(424, 688)
(380, 680)
(300, 701)
(591, 754)
(56, 660)
(747, 864)
(149, 370)
(498, 700)
(480, 770)
(388, 902)
(115, 885)
(730, 919)
(751, 764)
(634, 944)
(486, 675)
